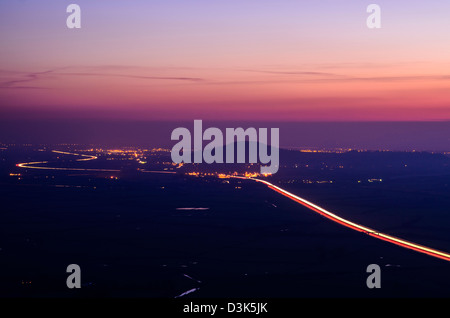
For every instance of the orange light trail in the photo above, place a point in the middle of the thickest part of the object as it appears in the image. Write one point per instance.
(355, 226)
(32, 165)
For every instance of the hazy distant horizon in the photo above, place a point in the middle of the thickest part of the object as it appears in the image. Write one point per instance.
(136, 70)
(229, 60)
(396, 136)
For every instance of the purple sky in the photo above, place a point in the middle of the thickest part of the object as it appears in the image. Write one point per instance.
(254, 61)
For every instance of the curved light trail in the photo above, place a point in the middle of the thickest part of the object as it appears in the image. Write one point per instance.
(38, 165)
(355, 226)
(333, 217)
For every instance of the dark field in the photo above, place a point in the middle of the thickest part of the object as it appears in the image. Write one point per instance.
(131, 239)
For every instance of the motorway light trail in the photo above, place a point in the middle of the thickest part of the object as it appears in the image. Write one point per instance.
(309, 205)
(38, 165)
(163, 172)
(355, 226)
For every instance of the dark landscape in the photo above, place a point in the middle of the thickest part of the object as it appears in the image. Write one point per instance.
(136, 232)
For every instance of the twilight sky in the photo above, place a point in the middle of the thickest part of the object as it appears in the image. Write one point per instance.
(285, 60)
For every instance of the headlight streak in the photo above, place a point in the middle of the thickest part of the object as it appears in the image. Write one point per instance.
(33, 165)
(355, 226)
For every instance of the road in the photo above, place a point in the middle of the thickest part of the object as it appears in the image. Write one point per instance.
(355, 226)
(38, 165)
(309, 205)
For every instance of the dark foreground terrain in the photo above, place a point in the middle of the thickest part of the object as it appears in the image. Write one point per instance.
(161, 235)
